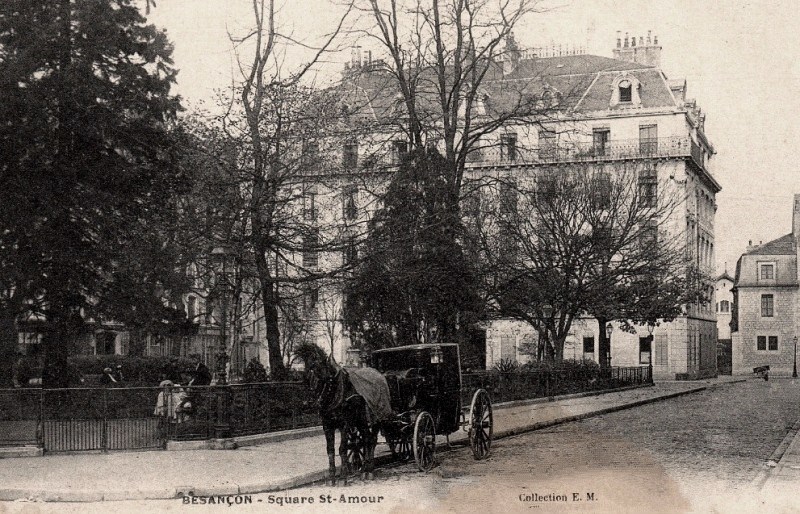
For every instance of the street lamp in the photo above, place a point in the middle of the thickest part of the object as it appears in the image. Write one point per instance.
(650, 329)
(222, 259)
(609, 330)
(794, 368)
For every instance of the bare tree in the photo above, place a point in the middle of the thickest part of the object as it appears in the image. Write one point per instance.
(272, 114)
(597, 239)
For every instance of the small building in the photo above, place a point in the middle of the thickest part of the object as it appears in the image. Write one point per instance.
(764, 318)
(724, 297)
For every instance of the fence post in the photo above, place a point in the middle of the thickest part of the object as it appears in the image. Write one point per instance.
(222, 428)
(40, 421)
(104, 433)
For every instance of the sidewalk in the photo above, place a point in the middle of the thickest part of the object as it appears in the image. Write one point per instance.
(269, 466)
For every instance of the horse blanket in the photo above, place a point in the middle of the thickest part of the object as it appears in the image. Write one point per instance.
(372, 386)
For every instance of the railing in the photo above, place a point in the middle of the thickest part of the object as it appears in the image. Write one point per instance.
(524, 385)
(562, 152)
(104, 419)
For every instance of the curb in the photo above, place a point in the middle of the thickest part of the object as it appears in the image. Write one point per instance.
(577, 417)
(774, 460)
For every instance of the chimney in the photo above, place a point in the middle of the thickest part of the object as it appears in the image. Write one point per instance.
(796, 218)
(645, 51)
(625, 51)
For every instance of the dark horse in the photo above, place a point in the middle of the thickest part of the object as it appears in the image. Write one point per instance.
(342, 408)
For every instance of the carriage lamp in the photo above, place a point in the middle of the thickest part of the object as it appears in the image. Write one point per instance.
(436, 355)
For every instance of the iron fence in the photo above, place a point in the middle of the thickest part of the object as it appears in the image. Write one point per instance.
(127, 418)
(524, 385)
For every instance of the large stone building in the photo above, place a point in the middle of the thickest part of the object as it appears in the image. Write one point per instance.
(604, 111)
(765, 313)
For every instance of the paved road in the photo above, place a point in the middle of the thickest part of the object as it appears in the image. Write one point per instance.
(696, 453)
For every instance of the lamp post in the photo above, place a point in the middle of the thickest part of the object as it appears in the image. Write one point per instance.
(222, 259)
(650, 329)
(609, 330)
(794, 368)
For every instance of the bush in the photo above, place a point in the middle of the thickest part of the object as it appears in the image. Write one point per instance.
(144, 371)
(254, 372)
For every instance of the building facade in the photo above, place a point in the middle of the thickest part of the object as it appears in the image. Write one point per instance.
(605, 112)
(765, 312)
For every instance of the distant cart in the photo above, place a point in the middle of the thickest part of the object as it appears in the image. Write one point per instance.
(425, 389)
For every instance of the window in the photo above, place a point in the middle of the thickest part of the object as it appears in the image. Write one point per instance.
(349, 211)
(310, 205)
(766, 272)
(767, 306)
(191, 308)
(773, 343)
(625, 91)
(648, 187)
(508, 147)
(648, 139)
(645, 349)
(508, 198)
(350, 156)
(661, 350)
(547, 144)
(588, 347)
(310, 299)
(724, 306)
(311, 151)
(767, 343)
(349, 254)
(310, 250)
(602, 190)
(600, 138)
(648, 236)
(400, 150)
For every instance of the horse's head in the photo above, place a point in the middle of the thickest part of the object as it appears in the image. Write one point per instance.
(320, 369)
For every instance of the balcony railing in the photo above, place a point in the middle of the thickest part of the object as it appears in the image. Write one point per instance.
(563, 152)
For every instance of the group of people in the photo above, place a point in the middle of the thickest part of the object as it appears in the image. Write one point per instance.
(174, 403)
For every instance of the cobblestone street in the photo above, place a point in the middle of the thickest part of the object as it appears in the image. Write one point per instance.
(694, 453)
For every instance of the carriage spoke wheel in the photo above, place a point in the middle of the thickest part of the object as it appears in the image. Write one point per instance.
(480, 424)
(355, 446)
(424, 442)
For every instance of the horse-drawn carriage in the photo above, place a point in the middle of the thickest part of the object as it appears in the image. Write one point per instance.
(425, 389)
(423, 399)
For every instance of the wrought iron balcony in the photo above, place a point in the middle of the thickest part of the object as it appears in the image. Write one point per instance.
(565, 152)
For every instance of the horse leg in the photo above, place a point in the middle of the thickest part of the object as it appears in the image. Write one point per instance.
(372, 441)
(330, 443)
(345, 473)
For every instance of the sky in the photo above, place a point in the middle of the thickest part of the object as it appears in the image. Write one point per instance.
(737, 56)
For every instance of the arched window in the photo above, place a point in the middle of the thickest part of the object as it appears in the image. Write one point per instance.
(724, 306)
(625, 91)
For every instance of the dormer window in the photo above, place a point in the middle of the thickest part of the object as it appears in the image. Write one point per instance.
(625, 91)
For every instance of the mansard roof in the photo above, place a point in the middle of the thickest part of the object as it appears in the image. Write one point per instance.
(583, 83)
(784, 245)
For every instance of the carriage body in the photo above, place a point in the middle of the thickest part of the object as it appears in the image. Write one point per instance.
(424, 377)
(425, 391)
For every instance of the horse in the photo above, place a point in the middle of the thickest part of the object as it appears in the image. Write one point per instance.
(341, 408)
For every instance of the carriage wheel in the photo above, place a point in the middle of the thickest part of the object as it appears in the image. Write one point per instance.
(424, 441)
(401, 449)
(355, 445)
(480, 424)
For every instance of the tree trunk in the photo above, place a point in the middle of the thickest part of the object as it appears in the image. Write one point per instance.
(604, 346)
(8, 348)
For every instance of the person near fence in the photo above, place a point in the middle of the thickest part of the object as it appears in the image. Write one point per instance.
(172, 402)
(108, 378)
(202, 376)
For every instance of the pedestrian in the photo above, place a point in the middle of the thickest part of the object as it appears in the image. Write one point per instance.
(202, 376)
(108, 378)
(118, 373)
